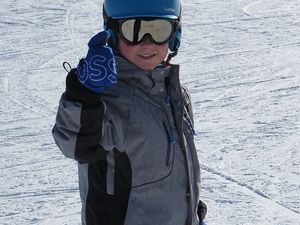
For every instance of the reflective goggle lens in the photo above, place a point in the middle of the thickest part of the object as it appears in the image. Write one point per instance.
(134, 30)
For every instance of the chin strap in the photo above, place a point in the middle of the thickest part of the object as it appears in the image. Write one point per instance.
(170, 56)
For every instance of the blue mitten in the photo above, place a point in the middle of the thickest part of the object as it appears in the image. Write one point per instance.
(98, 69)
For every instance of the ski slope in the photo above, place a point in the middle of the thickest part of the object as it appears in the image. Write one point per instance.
(241, 61)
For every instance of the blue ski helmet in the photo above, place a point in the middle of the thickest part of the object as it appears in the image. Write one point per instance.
(122, 9)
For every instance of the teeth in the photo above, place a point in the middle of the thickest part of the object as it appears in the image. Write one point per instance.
(146, 55)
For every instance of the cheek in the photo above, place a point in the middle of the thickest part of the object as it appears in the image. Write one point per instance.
(164, 50)
(125, 49)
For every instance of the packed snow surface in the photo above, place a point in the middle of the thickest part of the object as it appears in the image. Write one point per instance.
(241, 61)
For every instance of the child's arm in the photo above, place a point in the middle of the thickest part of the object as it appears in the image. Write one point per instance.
(202, 208)
(79, 122)
(80, 117)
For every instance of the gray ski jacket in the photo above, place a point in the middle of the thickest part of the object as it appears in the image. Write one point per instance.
(134, 145)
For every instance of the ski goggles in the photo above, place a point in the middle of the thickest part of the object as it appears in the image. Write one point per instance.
(159, 31)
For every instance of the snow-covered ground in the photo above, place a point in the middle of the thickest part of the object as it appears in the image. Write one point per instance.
(241, 61)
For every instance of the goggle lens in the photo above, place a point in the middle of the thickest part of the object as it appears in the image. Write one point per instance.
(134, 30)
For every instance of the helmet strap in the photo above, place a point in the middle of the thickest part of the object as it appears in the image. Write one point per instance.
(170, 56)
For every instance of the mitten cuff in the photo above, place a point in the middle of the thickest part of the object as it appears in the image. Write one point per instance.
(202, 210)
(76, 91)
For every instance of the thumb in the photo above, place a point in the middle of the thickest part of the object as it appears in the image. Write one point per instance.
(99, 39)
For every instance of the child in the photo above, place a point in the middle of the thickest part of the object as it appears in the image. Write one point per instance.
(128, 122)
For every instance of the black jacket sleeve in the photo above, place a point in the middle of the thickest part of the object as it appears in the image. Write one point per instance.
(79, 122)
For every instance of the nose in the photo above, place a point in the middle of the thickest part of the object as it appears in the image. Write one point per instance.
(147, 39)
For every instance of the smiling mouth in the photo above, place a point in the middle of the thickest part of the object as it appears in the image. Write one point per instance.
(146, 56)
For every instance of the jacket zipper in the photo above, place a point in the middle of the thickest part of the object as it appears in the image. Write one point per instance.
(171, 141)
(168, 96)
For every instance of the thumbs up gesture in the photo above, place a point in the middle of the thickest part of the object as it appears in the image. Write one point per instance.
(98, 69)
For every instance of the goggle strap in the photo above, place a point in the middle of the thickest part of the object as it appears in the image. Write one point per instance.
(113, 25)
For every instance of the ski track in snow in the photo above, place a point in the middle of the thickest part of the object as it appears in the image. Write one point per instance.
(256, 192)
(240, 59)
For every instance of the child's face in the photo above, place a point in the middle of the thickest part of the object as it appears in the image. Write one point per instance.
(145, 55)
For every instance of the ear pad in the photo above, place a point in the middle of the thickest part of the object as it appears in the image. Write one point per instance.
(175, 42)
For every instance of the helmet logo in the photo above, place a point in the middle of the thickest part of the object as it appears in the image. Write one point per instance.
(169, 9)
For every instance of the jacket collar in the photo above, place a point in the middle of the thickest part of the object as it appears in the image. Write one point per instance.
(152, 81)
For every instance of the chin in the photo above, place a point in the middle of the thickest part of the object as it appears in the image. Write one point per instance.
(147, 67)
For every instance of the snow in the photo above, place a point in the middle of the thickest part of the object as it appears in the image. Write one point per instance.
(241, 61)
